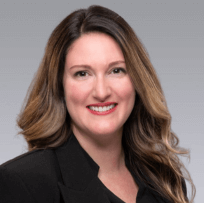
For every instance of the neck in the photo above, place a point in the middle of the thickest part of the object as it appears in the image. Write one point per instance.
(107, 151)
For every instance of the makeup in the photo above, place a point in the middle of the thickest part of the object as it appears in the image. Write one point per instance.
(102, 112)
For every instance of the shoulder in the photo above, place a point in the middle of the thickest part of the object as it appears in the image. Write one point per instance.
(38, 163)
(29, 161)
(33, 173)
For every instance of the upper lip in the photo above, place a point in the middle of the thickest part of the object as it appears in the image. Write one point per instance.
(102, 104)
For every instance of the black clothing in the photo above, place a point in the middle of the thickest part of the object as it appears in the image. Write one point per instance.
(145, 194)
(64, 174)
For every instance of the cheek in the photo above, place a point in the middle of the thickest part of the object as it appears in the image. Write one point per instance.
(126, 90)
(74, 93)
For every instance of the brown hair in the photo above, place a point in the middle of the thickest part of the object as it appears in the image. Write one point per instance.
(149, 144)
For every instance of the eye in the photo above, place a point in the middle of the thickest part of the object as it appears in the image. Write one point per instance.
(80, 74)
(118, 70)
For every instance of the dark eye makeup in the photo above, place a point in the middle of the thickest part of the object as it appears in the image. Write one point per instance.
(83, 73)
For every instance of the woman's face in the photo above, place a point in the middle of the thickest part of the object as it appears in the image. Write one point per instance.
(95, 72)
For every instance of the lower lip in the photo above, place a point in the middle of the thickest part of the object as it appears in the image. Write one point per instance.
(103, 113)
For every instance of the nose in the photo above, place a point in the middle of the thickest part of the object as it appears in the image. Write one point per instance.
(101, 89)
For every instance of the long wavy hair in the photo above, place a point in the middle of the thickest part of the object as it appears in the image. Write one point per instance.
(148, 141)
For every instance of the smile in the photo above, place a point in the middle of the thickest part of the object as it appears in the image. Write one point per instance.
(102, 110)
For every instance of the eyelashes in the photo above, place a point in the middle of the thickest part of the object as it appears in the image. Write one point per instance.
(120, 69)
(79, 74)
(82, 74)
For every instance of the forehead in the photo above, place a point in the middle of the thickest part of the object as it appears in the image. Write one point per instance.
(94, 48)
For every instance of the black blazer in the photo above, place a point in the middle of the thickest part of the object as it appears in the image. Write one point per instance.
(52, 175)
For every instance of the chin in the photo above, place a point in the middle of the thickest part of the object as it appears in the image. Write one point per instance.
(105, 132)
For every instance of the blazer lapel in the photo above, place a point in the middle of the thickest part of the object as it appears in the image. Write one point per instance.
(79, 182)
(92, 194)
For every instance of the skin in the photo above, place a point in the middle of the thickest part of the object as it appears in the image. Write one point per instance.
(100, 135)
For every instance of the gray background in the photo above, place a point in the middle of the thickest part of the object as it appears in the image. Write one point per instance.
(172, 32)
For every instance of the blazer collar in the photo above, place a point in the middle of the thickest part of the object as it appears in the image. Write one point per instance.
(79, 173)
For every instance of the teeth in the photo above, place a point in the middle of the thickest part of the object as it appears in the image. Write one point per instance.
(102, 109)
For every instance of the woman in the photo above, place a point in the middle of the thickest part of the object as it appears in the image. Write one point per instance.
(96, 122)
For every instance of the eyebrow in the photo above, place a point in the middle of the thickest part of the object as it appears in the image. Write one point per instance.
(87, 66)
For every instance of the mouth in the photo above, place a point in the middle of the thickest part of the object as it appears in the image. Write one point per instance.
(102, 108)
